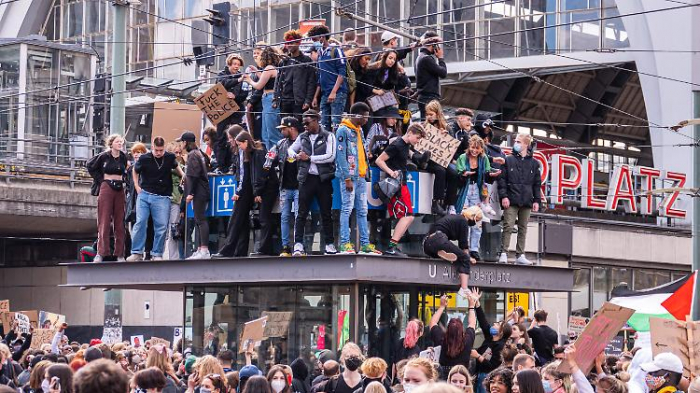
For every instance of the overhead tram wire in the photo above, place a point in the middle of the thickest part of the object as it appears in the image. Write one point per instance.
(370, 53)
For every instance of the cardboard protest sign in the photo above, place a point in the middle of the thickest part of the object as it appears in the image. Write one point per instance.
(615, 346)
(577, 324)
(253, 331)
(41, 337)
(604, 325)
(670, 335)
(694, 346)
(22, 322)
(4, 306)
(215, 104)
(442, 146)
(277, 323)
(158, 340)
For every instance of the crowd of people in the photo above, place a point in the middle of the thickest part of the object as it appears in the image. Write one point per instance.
(333, 111)
(511, 358)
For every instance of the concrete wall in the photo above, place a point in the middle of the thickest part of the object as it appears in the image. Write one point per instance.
(37, 288)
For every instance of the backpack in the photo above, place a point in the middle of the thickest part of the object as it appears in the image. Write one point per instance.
(351, 79)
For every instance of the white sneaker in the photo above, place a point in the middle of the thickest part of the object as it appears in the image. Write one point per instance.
(121, 259)
(464, 292)
(451, 209)
(205, 254)
(330, 249)
(155, 258)
(97, 258)
(521, 260)
(195, 255)
(503, 258)
(135, 258)
(298, 250)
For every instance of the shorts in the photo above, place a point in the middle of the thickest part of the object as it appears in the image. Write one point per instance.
(400, 204)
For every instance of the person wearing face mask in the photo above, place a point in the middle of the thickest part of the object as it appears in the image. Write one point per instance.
(278, 380)
(488, 355)
(418, 372)
(438, 242)
(58, 378)
(555, 381)
(213, 383)
(519, 188)
(664, 374)
(350, 379)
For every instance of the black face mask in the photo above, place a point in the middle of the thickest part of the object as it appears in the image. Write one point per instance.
(353, 363)
(471, 222)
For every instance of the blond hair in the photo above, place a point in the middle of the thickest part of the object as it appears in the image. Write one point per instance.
(459, 369)
(473, 213)
(425, 366)
(478, 142)
(525, 138)
(208, 365)
(435, 107)
(350, 346)
(161, 361)
(375, 387)
(232, 57)
(5, 352)
(373, 367)
(110, 139)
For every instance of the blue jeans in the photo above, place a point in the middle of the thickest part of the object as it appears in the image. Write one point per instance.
(158, 207)
(331, 113)
(289, 202)
(271, 119)
(480, 388)
(473, 199)
(356, 198)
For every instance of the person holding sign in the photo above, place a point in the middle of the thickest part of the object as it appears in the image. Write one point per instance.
(519, 188)
(435, 117)
(269, 58)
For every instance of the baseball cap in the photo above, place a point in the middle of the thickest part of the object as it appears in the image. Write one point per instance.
(388, 36)
(325, 355)
(189, 362)
(290, 121)
(664, 361)
(188, 136)
(249, 371)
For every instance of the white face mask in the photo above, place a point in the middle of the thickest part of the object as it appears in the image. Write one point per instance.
(407, 387)
(277, 385)
(46, 385)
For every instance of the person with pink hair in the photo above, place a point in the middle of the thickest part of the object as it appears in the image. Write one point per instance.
(407, 347)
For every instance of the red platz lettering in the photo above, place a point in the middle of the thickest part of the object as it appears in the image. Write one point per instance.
(648, 178)
(621, 190)
(666, 207)
(560, 181)
(588, 199)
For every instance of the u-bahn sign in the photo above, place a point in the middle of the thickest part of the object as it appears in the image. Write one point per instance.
(567, 173)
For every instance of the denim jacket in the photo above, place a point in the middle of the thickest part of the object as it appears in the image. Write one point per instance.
(346, 157)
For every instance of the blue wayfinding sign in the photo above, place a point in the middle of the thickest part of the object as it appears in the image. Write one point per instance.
(222, 189)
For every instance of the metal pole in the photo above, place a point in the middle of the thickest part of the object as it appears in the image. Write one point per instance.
(696, 208)
(116, 116)
(346, 14)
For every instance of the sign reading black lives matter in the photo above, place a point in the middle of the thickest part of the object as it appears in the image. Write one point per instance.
(216, 105)
(442, 146)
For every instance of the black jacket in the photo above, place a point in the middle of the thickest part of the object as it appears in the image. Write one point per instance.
(462, 136)
(276, 160)
(520, 180)
(496, 346)
(429, 71)
(257, 177)
(232, 85)
(297, 83)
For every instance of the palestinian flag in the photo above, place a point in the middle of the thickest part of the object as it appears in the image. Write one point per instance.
(670, 301)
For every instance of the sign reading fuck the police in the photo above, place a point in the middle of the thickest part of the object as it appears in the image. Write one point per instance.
(216, 105)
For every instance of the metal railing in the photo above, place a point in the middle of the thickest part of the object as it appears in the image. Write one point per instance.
(46, 160)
